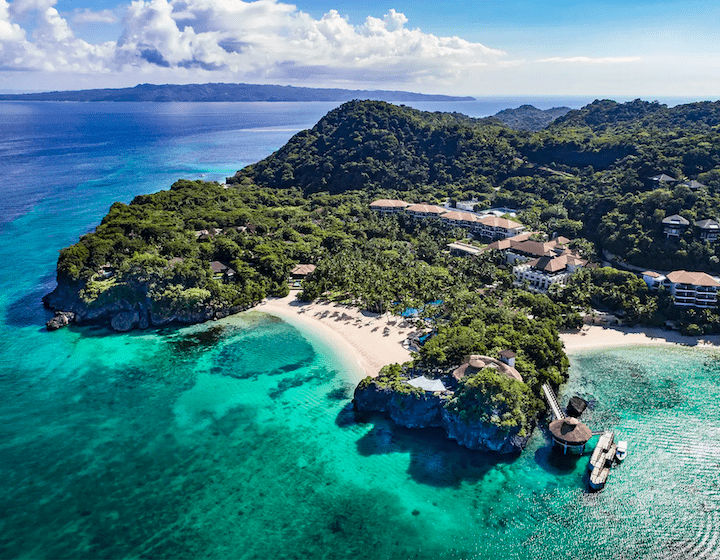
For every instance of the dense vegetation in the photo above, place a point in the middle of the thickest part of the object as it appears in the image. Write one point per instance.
(584, 176)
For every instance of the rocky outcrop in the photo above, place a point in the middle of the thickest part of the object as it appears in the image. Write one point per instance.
(426, 410)
(123, 315)
(61, 319)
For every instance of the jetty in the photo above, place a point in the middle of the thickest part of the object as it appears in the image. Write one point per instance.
(602, 459)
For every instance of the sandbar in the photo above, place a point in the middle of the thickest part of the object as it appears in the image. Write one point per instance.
(371, 339)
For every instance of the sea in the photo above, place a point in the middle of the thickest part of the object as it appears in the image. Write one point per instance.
(237, 438)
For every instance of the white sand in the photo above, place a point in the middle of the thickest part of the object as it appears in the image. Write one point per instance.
(372, 340)
(606, 337)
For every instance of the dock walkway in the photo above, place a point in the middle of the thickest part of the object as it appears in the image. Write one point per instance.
(552, 402)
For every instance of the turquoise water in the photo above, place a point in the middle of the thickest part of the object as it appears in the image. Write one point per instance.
(236, 439)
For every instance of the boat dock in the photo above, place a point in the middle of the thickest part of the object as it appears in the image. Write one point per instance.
(602, 459)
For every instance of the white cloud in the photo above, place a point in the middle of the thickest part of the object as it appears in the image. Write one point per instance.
(262, 39)
(591, 60)
(82, 17)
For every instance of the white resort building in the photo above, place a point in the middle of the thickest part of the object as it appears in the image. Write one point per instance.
(689, 289)
(543, 272)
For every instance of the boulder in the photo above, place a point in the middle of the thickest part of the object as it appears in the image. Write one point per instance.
(61, 319)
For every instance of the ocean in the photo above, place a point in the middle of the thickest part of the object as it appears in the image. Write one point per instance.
(236, 439)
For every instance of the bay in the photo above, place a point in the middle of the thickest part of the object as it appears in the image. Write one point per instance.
(237, 439)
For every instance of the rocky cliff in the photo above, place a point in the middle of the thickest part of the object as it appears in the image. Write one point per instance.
(415, 409)
(124, 315)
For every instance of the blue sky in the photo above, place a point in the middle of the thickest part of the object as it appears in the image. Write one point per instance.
(642, 48)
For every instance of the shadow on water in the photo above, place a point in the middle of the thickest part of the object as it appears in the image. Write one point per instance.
(28, 310)
(435, 460)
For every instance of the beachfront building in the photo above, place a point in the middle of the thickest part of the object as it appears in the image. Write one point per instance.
(693, 289)
(543, 272)
(388, 206)
(674, 226)
(424, 211)
(709, 230)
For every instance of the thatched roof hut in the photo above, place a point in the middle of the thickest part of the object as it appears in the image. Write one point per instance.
(474, 363)
(570, 431)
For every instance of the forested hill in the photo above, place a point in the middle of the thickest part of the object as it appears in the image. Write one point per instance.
(225, 92)
(373, 145)
(587, 173)
(527, 117)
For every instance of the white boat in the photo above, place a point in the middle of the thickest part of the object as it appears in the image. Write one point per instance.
(621, 450)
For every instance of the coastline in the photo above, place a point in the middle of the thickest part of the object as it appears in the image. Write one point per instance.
(372, 340)
(593, 337)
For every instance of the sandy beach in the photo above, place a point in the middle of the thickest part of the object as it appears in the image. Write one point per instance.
(373, 340)
(590, 337)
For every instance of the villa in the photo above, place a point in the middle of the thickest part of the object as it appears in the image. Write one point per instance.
(674, 226)
(709, 230)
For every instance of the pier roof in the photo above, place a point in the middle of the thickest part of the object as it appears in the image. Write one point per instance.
(570, 430)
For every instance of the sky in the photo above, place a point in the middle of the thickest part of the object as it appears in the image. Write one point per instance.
(650, 49)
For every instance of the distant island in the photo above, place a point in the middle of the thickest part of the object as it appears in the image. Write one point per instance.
(225, 92)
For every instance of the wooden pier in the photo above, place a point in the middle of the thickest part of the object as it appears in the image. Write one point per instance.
(602, 459)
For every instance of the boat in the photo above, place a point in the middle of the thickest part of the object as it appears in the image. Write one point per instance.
(621, 450)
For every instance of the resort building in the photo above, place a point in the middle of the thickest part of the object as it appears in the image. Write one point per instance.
(494, 228)
(709, 230)
(674, 226)
(302, 271)
(386, 206)
(653, 279)
(459, 249)
(467, 205)
(460, 219)
(422, 211)
(474, 364)
(693, 289)
(543, 272)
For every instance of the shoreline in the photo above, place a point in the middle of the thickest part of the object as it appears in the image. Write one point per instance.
(371, 339)
(594, 337)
